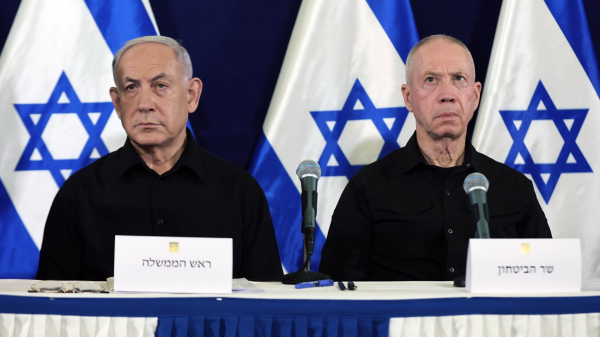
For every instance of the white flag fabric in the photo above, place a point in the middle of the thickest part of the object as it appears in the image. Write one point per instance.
(56, 115)
(540, 114)
(338, 101)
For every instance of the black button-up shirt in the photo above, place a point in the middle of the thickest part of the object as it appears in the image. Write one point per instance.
(201, 196)
(403, 219)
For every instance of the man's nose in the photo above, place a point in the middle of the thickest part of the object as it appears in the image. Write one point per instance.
(447, 92)
(145, 100)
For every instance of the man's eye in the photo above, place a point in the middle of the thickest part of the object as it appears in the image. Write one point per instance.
(161, 86)
(460, 77)
(429, 79)
(130, 87)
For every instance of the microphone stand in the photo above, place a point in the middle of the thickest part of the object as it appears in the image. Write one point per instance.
(476, 186)
(482, 232)
(304, 274)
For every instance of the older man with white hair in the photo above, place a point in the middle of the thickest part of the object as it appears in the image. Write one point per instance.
(160, 183)
(406, 216)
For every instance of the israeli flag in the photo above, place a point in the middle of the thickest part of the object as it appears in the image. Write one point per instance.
(338, 101)
(56, 115)
(540, 114)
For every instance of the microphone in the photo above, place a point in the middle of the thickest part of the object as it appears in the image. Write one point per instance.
(309, 173)
(476, 186)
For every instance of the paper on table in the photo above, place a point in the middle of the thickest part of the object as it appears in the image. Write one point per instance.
(241, 284)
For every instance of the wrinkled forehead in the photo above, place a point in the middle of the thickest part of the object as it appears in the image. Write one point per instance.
(148, 57)
(443, 56)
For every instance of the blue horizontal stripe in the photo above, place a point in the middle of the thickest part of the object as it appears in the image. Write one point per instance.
(157, 307)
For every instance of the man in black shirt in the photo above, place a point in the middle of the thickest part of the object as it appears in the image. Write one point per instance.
(160, 183)
(406, 216)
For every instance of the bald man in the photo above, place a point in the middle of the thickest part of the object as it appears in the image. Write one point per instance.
(406, 216)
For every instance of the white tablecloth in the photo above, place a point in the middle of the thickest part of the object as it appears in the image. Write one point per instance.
(372, 293)
(23, 325)
(578, 325)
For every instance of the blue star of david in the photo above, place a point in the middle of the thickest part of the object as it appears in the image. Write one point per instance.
(569, 136)
(27, 112)
(348, 113)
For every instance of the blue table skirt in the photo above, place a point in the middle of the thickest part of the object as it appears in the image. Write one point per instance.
(268, 317)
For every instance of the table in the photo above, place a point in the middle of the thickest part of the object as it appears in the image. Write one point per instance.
(273, 309)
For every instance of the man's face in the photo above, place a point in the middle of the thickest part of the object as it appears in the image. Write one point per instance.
(152, 99)
(443, 94)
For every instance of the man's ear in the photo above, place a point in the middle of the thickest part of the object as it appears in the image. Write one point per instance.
(194, 92)
(406, 95)
(114, 96)
(477, 94)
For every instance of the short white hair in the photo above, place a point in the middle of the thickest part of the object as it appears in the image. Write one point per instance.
(182, 55)
(410, 60)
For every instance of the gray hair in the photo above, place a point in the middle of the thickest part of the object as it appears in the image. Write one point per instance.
(180, 52)
(410, 60)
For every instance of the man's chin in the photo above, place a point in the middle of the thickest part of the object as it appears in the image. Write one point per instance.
(147, 139)
(447, 134)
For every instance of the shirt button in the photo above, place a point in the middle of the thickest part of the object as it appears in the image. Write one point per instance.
(452, 270)
(450, 231)
(158, 179)
(468, 165)
(447, 192)
(160, 222)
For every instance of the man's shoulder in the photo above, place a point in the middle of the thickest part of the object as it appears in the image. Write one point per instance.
(221, 170)
(381, 167)
(500, 173)
(102, 165)
(217, 164)
(496, 168)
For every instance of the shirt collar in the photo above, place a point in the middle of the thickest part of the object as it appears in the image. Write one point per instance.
(472, 157)
(190, 158)
(412, 155)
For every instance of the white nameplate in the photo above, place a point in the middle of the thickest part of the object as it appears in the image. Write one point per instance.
(173, 264)
(523, 265)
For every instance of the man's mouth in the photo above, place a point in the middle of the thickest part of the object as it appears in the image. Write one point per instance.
(447, 115)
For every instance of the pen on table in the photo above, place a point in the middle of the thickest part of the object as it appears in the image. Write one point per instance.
(312, 284)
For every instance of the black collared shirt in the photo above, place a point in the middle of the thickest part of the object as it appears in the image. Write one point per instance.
(403, 219)
(201, 196)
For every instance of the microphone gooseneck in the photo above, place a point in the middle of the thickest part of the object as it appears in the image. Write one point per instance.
(476, 186)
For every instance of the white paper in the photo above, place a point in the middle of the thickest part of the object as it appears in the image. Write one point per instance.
(173, 264)
(523, 265)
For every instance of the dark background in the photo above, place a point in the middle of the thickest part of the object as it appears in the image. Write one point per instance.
(237, 49)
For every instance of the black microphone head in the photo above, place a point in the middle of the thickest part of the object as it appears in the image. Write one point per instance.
(308, 167)
(475, 180)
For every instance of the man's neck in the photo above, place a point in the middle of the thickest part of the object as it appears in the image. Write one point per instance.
(161, 159)
(442, 152)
